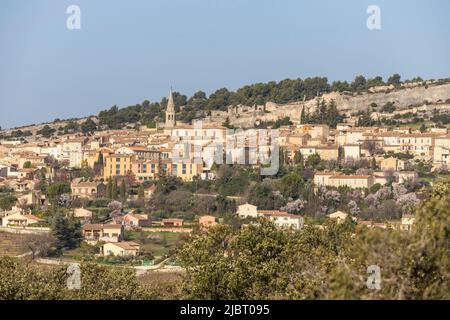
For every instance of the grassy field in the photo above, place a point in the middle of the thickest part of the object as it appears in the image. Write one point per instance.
(160, 244)
(436, 178)
(77, 254)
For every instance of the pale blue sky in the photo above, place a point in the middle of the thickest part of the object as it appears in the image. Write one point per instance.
(129, 51)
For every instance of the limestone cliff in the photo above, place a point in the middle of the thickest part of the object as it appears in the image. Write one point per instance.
(348, 103)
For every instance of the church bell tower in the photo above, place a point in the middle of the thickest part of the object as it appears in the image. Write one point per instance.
(170, 112)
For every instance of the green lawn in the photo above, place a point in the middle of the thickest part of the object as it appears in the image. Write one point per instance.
(79, 253)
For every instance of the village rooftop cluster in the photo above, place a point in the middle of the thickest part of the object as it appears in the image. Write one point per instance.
(136, 159)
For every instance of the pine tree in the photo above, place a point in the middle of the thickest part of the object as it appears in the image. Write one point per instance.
(423, 128)
(67, 231)
(365, 120)
(226, 123)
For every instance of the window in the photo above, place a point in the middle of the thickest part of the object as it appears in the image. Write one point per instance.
(183, 169)
(174, 169)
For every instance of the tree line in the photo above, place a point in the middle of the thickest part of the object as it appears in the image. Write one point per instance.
(325, 113)
(199, 104)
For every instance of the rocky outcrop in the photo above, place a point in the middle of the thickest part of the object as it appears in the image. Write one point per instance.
(403, 98)
(348, 103)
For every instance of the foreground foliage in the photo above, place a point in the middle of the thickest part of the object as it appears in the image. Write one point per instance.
(22, 281)
(260, 261)
(263, 262)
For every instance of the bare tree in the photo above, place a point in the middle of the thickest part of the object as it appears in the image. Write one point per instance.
(41, 244)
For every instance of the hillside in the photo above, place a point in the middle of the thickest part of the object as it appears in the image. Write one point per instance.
(402, 98)
(413, 98)
(261, 102)
(12, 244)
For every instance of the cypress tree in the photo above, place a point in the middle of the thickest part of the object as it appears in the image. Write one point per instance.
(303, 116)
(109, 191)
(114, 190)
(374, 163)
(123, 192)
(322, 112)
(141, 193)
(332, 115)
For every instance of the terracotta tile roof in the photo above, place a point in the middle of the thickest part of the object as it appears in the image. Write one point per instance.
(127, 245)
(327, 147)
(101, 226)
(277, 213)
(32, 217)
(342, 176)
(172, 220)
(324, 173)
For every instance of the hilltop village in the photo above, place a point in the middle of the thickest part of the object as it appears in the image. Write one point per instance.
(139, 192)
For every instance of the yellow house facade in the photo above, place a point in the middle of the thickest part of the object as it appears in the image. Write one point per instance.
(340, 180)
(328, 152)
(352, 181)
(186, 170)
(117, 165)
(145, 170)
